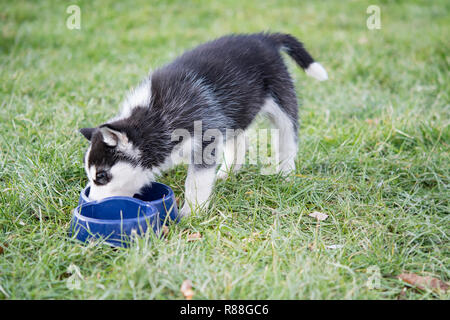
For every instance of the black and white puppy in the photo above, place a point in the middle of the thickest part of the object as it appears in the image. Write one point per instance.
(224, 84)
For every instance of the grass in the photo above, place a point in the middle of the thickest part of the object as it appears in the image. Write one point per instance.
(374, 154)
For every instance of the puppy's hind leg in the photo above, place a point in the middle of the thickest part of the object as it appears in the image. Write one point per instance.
(198, 188)
(287, 125)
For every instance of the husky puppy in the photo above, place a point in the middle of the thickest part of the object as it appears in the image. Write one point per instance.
(224, 84)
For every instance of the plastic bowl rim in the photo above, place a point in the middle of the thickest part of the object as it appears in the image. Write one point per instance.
(160, 200)
(79, 216)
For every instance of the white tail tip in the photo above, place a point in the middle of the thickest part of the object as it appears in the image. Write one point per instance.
(316, 71)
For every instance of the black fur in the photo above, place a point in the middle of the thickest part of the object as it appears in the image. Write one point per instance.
(224, 83)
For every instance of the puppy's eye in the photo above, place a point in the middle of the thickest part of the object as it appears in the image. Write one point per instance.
(101, 178)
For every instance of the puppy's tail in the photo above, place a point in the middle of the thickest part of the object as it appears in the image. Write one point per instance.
(295, 49)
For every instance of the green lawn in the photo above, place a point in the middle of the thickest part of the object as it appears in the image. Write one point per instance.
(374, 154)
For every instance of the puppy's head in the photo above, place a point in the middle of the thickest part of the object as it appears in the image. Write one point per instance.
(112, 163)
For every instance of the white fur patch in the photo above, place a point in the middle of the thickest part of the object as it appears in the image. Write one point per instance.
(89, 173)
(138, 97)
(126, 180)
(316, 71)
(130, 150)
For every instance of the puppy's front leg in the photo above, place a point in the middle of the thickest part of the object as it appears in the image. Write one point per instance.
(198, 188)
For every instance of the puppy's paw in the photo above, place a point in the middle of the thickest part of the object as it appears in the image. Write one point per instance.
(185, 210)
(287, 174)
(221, 175)
(287, 168)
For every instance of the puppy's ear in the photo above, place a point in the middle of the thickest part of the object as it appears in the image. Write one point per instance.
(87, 132)
(113, 137)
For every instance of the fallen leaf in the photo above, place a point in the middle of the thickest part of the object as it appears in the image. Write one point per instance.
(194, 236)
(186, 289)
(423, 283)
(3, 247)
(320, 216)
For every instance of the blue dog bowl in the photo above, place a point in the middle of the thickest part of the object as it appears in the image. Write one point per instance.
(116, 218)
